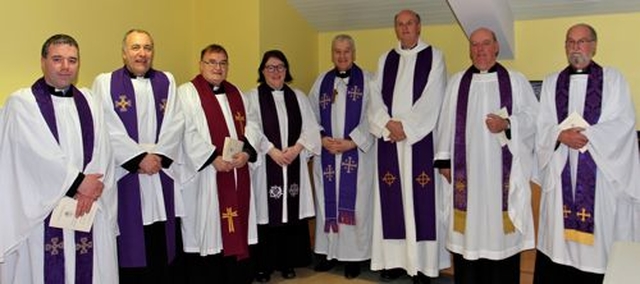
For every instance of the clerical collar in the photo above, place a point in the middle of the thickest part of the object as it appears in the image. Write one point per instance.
(493, 69)
(585, 70)
(59, 92)
(218, 90)
(409, 48)
(343, 74)
(134, 76)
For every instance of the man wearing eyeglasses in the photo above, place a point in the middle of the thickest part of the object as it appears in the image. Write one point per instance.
(485, 151)
(220, 223)
(407, 233)
(588, 162)
(146, 131)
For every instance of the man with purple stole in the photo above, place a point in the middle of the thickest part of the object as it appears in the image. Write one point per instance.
(588, 160)
(55, 149)
(342, 173)
(146, 131)
(220, 221)
(407, 230)
(485, 151)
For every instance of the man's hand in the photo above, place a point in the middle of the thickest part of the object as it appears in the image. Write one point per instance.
(240, 159)
(90, 190)
(291, 153)
(336, 145)
(151, 164)
(573, 138)
(446, 173)
(221, 165)
(277, 156)
(495, 123)
(396, 130)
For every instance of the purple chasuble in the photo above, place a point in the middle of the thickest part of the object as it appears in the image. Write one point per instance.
(349, 162)
(422, 174)
(275, 181)
(579, 207)
(131, 242)
(53, 237)
(460, 148)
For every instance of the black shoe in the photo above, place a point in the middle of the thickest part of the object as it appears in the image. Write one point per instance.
(263, 277)
(288, 273)
(421, 279)
(351, 270)
(324, 265)
(391, 274)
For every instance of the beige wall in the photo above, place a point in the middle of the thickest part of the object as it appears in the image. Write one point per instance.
(539, 46)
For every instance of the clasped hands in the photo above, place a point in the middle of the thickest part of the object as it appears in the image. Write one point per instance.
(90, 190)
(396, 131)
(238, 161)
(337, 145)
(286, 156)
(573, 138)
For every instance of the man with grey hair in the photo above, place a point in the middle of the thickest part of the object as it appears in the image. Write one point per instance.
(588, 161)
(407, 233)
(146, 130)
(485, 151)
(342, 173)
(56, 167)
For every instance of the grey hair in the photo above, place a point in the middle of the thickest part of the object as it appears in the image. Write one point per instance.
(141, 31)
(344, 37)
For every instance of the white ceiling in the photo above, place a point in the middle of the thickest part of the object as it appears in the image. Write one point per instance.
(338, 15)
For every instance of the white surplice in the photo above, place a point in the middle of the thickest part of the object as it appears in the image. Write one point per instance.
(37, 171)
(351, 242)
(418, 120)
(614, 148)
(309, 139)
(484, 236)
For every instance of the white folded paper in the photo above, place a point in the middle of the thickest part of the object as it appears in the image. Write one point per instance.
(64, 216)
(502, 136)
(230, 148)
(574, 120)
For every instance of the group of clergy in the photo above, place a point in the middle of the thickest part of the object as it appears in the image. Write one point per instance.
(140, 181)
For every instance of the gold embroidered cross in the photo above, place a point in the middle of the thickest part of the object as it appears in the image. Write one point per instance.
(230, 214)
(423, 179)
(349, 165)
(460, 184)
(84, 245)
(355, 93)
(583, 214)
(123, 104)
(55, 246)
(163, 105)
(329, 172)
(566, 211)
(389, 178)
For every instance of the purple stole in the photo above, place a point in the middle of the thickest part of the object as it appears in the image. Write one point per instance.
(131, 242)
(460, 145)
(275, 182)
(422, 174)
(579, 208)
(349, 162)
(53, 237)
(233, 197)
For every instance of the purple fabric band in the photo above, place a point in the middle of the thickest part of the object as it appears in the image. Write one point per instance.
(349, 162)
(422, 167)
(131, 242)
(579, 211)
(460, 143)
(271, 128)
(53, 237)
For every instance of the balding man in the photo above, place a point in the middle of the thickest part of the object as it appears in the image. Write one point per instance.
(407, 231)
(485, 151)
(589, 168)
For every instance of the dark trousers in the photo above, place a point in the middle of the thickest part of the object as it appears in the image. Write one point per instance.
(549, 272)
(218, 269)
(485, 271)
(158, 269)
